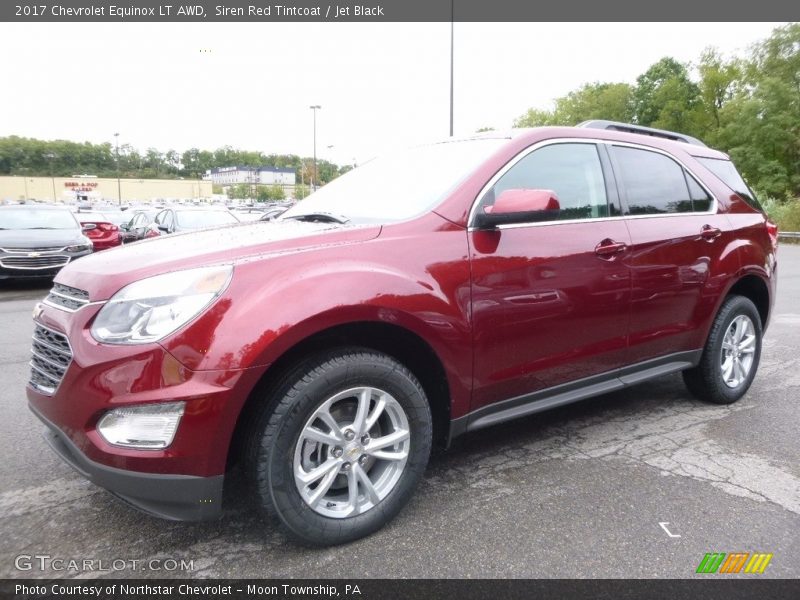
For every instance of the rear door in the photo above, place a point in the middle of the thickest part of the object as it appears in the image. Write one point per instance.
(677, 238)
(550, 299)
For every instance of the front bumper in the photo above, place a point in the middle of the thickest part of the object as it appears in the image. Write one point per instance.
(174, 497)
(182, 481)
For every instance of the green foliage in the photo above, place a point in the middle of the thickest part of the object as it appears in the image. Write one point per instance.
(275, 192)
(262, 193)
(785, 214)
(61, 158)
(748, 107)
(611, 101)
(300, 191)
(240, 191)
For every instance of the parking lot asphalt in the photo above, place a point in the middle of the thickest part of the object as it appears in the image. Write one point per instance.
(577, 492)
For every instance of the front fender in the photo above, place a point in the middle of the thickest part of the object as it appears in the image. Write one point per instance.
(271, 305)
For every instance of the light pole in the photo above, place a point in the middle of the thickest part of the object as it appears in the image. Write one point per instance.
(452, 16)
(119, 185)
(50, 156)
(314, 108)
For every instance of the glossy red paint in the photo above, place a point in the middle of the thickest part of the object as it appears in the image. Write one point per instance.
(514, 201)
(506, 312)
(104, 234)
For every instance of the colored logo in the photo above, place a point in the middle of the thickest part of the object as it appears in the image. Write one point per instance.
(734, 562)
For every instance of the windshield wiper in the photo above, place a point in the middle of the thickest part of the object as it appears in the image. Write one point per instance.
(325, 217)
(40, 228)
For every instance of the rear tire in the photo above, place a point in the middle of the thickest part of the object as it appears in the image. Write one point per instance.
(320, 455)
(731, 354)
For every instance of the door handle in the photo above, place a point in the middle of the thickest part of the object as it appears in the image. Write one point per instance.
(709, 233)
(609, 247)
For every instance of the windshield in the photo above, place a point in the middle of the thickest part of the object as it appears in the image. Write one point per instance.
(37, 218)
(200, 219)
(398, 186)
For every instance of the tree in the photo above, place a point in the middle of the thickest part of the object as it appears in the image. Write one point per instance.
(660, 90)
(610, 101)
(300, 191)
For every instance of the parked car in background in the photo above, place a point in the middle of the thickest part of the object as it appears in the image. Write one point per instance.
(181, 219)
(140, 225)
(248, 213)
(99, 228)
(273, 213)
(37, 241)
(328, 352)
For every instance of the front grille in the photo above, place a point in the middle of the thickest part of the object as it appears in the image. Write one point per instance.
(33, 262)
(27, 250)
(51, 355)
(66, 297)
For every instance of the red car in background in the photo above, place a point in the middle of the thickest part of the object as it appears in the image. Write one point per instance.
(99, 228)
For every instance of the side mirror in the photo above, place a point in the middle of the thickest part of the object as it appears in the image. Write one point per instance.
(125, 227)
(519, 206)
(164, 228)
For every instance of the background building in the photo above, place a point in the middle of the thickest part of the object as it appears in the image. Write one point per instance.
(67, 189)
(251, 175)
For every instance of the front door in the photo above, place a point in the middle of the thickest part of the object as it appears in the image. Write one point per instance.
(551, 300)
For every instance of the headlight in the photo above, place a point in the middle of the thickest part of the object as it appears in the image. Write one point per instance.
(150, 309)
(82, 247)
(150, 426)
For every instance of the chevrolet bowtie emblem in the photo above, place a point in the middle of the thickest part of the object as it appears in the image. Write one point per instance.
(33, 254)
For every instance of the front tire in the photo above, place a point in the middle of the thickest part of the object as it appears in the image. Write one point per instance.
(731, 355)
(343, 448)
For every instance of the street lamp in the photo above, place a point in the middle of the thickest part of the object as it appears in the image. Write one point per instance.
(452, 18)
(50, 156)
(314, 108)
(119, 185)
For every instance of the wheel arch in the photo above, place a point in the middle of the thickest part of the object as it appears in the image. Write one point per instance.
(396, 341)
(754, 288)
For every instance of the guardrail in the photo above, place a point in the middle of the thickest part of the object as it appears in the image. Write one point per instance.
(789, 235)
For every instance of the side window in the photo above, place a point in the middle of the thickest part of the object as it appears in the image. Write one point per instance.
(653, 183)
(573, 171)
(169, 217)
(701, 201)
(160, 217)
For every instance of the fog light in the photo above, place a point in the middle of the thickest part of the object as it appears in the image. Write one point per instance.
(150, 426)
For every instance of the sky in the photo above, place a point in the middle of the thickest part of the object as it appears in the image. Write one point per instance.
(380, 86)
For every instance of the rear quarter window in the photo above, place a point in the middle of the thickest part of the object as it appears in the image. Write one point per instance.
(727, 173)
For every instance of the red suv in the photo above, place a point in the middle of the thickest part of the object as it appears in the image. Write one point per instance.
(500, 276)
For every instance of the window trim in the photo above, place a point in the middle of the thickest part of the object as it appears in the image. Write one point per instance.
(621, 197)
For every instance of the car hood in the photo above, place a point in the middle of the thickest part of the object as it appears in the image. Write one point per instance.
(104, 273)
(40, 238)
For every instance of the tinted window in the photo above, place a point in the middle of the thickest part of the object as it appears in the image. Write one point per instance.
(572, 171)
(653, 183)
(725, 170)
(701, 201)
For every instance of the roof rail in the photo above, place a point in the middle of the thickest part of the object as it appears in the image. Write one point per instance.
(640, 129)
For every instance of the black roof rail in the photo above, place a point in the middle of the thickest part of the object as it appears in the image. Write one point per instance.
(640, 129)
